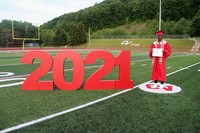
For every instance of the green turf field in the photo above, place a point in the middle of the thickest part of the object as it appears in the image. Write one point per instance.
(133, 111)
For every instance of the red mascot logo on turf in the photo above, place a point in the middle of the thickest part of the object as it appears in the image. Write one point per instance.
(167, 88)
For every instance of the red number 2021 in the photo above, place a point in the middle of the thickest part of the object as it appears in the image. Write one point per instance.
(94, 82)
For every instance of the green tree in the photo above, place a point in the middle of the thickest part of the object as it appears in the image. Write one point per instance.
(149, 9)
(77, 34)
(118, 32)
(60, 37)
(47, 36)
(182, 26)
(195, 26)
(169, 27)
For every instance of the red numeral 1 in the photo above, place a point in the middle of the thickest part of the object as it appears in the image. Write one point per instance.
(58, 70)
(123, 61)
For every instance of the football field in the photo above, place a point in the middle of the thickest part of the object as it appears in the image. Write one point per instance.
(131, 110)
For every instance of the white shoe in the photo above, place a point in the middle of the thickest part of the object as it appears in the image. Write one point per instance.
(155, 85)
(161, 86)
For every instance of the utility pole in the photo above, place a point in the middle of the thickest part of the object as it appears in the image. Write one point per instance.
(89, 37)
(160, 15)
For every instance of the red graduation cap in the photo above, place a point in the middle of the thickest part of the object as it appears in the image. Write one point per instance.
(160, 33)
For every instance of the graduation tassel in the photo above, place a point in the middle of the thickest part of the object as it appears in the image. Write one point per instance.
(153, 60)
(161, 58)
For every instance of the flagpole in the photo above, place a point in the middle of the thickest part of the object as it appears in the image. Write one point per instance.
(160, 16)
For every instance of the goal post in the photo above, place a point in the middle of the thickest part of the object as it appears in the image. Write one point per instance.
(24, 39)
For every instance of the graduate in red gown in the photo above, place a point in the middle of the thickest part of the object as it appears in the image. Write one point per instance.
(159, 51)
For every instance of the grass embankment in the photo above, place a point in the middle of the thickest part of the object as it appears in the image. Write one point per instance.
(178, 45)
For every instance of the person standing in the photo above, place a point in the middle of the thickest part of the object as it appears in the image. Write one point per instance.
(159, 51)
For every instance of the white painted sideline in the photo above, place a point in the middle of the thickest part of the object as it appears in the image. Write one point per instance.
(80, 107)
(183, 69)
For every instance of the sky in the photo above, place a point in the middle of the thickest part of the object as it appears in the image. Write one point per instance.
(38, 12)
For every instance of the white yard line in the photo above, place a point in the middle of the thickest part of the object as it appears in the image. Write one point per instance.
(183, 69)
(143, 64)
(81, 106)
(36, 62)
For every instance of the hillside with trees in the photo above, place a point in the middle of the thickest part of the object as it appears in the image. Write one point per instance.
(136, 16)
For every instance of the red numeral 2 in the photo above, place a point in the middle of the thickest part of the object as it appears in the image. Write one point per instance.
(31, 83)
(94, 82)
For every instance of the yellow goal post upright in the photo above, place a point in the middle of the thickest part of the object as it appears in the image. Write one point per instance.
(24, 39)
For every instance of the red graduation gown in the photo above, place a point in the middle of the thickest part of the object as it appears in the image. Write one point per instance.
(159, 68)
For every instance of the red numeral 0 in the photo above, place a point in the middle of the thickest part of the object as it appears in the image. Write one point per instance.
(58, 70)
(94, 82)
